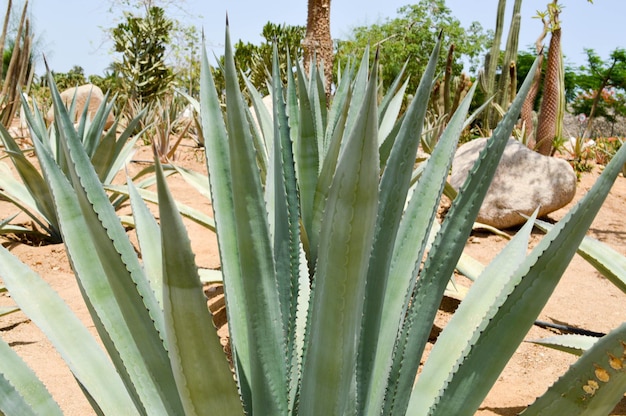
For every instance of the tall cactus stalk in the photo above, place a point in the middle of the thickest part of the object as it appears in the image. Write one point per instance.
(488, 78)
(529, 104)
(492, 86)
(505, 93)
(19, 70)
(3, 37)
(550, 121)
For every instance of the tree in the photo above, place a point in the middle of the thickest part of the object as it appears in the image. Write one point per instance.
(411, 36)
(142, 42)
(600, 84)
(318, 43)
(182, 47)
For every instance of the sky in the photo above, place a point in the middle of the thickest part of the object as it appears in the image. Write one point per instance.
(72, 31)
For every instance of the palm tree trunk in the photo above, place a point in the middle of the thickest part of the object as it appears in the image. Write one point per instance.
(318, 43)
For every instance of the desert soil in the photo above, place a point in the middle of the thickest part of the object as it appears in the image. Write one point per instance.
(583, 298)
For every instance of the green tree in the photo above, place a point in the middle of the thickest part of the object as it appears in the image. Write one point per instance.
(182, 47)
(255, 61)
(600, 84)
(411, 35)
(72, 78)
(142, 42)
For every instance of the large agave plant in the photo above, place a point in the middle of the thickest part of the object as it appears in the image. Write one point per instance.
(331, 276)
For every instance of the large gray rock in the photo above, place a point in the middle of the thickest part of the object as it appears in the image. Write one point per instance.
(524, 180)
(83, 92)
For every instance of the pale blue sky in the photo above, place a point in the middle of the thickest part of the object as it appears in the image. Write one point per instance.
(72, 35)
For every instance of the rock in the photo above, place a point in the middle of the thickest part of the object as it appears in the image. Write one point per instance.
(82, 94)
(524, 180)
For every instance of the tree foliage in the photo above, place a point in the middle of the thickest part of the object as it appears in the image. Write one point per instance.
(142, 42)
(601, 87)
(411, 35)
(255, 61)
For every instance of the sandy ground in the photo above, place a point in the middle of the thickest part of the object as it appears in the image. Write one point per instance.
(583, 298)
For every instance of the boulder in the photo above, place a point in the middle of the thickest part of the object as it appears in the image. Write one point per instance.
(83, 93)
(524, 180)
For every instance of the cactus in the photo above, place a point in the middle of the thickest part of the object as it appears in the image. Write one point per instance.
(20, 71)
(550, 121)
(527, 124)
(488, 77)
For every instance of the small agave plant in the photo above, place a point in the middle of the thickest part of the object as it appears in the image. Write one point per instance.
(333, 266)
(108, 151)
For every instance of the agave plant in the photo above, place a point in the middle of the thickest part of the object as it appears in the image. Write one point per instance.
(109, 152)
(331, 278)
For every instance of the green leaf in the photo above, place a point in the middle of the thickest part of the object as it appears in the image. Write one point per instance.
(394, 187)
(218, 165)
(339, 284)
(606, 260)
(21, 392)
(194, 347)
(537, 277)
(78, 348)
(125, 309)
(593, 385)
(468, 321)
(571, 343)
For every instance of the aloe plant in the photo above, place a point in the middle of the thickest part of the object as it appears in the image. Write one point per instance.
(322, 238)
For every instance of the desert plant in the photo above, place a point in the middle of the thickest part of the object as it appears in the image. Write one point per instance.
(329, 303)
(32, 195)
(20, 71)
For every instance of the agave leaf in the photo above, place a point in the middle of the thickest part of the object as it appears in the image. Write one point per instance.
(113, 152)
(391, 98)
(606, 260)
(391, 115)
(571, 343)
(593, 385)
(82, 353)
(469, 267)
(317, 96)
(410, 245)
(8, 310)
(285, 228)
(32, 180)
(322, 188)
(198, 180)
(21, 391)
(536, 279)
(268, 375)
(345, 245)
(110, 275)
(17, 194)
(193, 214)
(218, 166)
(263, 117)
(338, 105)
(359, 88)
(467, 322)
(195, 349)
(149, 237)
(394, 186)
(306, 154)
(446, 251)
